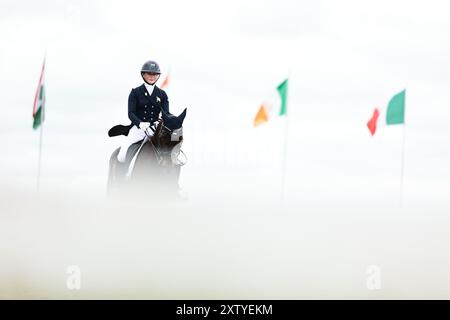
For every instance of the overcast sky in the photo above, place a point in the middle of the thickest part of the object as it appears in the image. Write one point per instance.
(343, 58)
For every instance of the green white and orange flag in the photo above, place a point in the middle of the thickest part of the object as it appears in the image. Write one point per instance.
(39, 101)
(267, 111)
(395, 113)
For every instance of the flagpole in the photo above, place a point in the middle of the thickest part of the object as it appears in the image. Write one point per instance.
(41, 124)
(402, 172)
(40, 155)
(283, 168)
(283, 175)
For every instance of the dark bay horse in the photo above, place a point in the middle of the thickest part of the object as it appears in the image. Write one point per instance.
(153, 165)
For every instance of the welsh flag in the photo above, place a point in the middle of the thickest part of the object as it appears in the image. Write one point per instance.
(39, 101)
(395, 113)
(266, 110)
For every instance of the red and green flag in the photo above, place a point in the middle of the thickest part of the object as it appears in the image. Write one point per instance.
(372, 124)
(267, 111)
(395, 113)
(39, 101)
(396, 109)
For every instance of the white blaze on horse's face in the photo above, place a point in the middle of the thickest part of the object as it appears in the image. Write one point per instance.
(176, 134)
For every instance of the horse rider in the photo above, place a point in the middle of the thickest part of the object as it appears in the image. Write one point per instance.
(144, 106)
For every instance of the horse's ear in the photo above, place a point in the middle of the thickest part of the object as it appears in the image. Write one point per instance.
(165, 116)
(182, 115)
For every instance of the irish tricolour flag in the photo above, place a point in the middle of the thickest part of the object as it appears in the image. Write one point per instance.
(39, 101)
(273, 107)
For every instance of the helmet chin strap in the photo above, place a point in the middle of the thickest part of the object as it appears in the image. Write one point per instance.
(142, 75)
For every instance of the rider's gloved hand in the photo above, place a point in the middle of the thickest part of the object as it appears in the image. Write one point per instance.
(144, 125)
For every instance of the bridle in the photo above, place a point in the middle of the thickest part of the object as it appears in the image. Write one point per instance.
(161, 154)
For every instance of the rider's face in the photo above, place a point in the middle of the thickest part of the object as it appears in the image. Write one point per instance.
(151, 77)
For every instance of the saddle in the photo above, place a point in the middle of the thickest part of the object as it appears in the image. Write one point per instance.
(119, 130)
(132, 150)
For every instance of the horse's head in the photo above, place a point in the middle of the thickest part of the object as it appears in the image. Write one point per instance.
(169, 131)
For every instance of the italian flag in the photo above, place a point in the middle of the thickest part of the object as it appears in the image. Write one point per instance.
(395, 113)
(39, 101)
(266, 110)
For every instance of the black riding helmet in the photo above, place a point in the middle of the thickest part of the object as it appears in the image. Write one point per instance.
(152, 67)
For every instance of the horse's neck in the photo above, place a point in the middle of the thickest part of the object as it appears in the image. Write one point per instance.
(154, 141)
(149, 150)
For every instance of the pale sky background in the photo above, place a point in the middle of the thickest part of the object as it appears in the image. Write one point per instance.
(342, 213)
(342, 58)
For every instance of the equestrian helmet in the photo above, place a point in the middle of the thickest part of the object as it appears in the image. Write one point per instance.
(151, 66)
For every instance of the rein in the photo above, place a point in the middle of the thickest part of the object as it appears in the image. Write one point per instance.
(160, 155)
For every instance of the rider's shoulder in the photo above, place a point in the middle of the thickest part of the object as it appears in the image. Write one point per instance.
(137, 89)
(161, 91)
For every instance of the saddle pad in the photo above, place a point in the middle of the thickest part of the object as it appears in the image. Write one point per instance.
(119, 130)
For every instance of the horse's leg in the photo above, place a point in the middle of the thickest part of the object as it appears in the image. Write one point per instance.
(181, 194)
(177, 175)
(169, 177)
(114, 172)
(145, 176)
